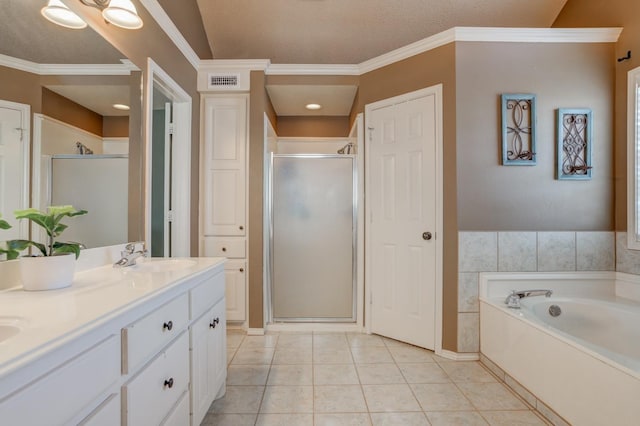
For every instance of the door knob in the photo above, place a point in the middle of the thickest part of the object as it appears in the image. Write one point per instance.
(426, 236)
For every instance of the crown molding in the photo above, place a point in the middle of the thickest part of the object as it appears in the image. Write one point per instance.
(420, 46)
(161, 17)
(538, 35)
(234, 64)
(494, 34)
(124, 68)
(311, 69)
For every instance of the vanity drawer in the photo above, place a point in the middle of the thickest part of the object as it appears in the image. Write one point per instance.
(146, 336)
(59, 395)
(206, 294)
(233, 248)
(151, 394)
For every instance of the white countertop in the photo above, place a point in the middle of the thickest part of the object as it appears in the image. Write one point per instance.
(47, 319)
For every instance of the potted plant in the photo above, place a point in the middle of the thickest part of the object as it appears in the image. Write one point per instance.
(53, 264)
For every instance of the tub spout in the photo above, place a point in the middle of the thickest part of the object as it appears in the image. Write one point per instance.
(513, 300)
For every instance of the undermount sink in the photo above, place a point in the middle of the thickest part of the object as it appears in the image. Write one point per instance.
(166, 265)
(9, 327)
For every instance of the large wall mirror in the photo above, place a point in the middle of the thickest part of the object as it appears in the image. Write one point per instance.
(74, 146)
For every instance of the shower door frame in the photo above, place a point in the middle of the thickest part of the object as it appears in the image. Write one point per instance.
(354, 243)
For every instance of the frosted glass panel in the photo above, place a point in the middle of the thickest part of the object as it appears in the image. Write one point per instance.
(313, 234)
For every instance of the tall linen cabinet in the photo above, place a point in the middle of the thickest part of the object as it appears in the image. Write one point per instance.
(224, 193)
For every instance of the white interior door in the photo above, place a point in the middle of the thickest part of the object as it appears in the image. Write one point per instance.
(402, 203)
(14, 169)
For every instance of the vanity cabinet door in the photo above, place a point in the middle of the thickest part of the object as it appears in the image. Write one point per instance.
(208, 360)
(225, 142)
(235, 278)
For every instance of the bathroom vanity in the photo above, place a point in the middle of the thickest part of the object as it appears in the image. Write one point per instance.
(142, 345)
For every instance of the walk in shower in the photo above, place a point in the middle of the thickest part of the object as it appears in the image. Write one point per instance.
(313, 214)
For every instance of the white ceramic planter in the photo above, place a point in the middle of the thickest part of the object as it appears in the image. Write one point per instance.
(47, 272)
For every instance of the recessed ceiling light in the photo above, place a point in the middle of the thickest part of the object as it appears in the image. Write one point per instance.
(313, 106)
(121, 107)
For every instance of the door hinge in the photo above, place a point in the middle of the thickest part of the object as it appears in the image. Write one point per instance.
(170, 216)
(170, 129)
(371, 129)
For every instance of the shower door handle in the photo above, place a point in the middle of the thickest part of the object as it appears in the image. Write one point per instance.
(427, 236)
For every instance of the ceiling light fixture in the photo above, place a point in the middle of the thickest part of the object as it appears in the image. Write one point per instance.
(121, 13)
(313, 107)
(58, 13)
(121, 107)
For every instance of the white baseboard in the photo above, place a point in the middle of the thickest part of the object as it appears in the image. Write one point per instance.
(459, 356)
(255, 332)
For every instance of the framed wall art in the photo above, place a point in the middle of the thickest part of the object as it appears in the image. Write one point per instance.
(574, 143)
(518, 129)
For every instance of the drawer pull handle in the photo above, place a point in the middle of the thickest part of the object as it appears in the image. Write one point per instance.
(214, 323)
(241, 269)
(241, 227)
(224, 249)
(168, 383)
(167, 325)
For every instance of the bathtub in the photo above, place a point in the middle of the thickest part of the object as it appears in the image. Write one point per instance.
(583, 363)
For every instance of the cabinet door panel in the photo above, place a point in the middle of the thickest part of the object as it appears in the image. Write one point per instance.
(208, 360)
(235, 277)
(225, 202)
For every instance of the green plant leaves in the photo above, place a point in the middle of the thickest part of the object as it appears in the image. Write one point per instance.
(50, 222)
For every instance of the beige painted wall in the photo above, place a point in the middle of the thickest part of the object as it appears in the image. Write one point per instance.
(21, 87)
(185, 14)
(137, 45)
(492, 197)
(63, 109)
(620, 13)
(313, 126)
(115, 126)
(427, 69)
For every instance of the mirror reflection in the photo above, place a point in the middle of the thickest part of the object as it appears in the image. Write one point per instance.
(71, 145)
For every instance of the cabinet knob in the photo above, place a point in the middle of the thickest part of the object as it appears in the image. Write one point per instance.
(224, 249)
(241, 227)
(168, 383)
(241, 269)
(214, 323)
(167, 325)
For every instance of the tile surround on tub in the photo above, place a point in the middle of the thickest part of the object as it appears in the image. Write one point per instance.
(527, 251)
(595, 251)
(478, 252)
(517, 251)
(556, 251)
(468, 292)
(626, 260)
(468, 332)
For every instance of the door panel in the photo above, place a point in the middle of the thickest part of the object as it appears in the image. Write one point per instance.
(402, 195)
(12, 164)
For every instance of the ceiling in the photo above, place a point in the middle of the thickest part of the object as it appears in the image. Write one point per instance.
(346, 32)
(284, 31)
(351, 31)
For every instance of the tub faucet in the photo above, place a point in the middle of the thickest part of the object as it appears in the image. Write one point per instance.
(129, 254)
(513, 300)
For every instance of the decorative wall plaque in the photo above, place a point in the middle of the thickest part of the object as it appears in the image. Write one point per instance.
(574, 143)
(518, 129)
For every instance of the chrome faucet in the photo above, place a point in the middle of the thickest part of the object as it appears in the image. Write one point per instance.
(129, 254)
(513, 300)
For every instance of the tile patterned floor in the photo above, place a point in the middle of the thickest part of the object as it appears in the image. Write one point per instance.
(339, 379)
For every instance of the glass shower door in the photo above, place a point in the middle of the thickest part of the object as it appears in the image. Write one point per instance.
(313, 211)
